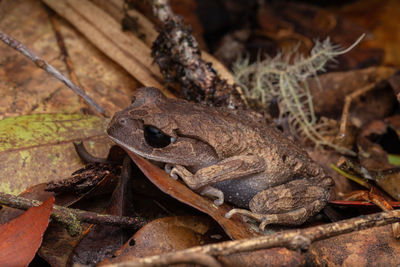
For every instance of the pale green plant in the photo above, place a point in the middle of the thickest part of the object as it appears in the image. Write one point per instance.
(283, 78)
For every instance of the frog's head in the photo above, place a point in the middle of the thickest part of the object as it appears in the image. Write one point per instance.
(150, 126)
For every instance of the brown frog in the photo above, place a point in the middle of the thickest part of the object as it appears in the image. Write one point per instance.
(224, 154)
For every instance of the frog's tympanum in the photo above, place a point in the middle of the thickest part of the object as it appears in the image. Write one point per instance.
(224, 154)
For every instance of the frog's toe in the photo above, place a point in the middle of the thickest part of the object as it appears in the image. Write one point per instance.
(247, 213)
(264, 219)
(213, 192)
(174, 174)
(264, 222)
(218, 202)
(168, 167)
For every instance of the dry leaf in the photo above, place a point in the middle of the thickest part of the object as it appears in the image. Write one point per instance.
(21, 237)
(370, 247)
(164, 235)
(38, 148)
(235, 228)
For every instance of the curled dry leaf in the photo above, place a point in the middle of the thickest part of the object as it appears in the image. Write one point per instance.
(21, 237)
(235, 228)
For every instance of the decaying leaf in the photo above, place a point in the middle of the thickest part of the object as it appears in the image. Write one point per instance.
(58, 245)
(375, 159)
(165, 235)
(21, 237)
(28, 89)
(336, 85)
(100, 241)
(362, 248)
(38, 148)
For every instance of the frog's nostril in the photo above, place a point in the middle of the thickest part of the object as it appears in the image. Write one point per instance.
(123, 121)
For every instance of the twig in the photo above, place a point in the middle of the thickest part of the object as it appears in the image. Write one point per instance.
(102, 31)
(193, 258)
(346, 108)
(49, 69)
(292, 239)
(116, 9)
(71, 218)
(65, 55)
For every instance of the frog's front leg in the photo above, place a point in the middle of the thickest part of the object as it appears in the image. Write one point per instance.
(230, 168)
(288, 204)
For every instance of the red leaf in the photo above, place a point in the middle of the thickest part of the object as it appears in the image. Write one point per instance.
(21, 237)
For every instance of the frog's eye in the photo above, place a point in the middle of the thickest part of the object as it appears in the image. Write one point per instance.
(156, 138)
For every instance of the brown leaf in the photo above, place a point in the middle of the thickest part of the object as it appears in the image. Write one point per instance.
(21, 237)
(362, 248)
(265, 257)
(336, 85)
(292, 23)
(374, 158)
(58, 245)
(165, 235)
(382, 20)
(235, 228)
(177, 233)
(102, 240)
(27, 89)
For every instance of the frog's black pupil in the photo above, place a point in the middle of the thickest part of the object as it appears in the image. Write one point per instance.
(155, 138)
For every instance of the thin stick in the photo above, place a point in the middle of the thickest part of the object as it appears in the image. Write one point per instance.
(65, 56)
(72, 217)
(49, 69)
(346, 107)
(190, 258)
(292, 239)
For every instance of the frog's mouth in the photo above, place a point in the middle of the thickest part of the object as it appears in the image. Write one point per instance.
(130, 148)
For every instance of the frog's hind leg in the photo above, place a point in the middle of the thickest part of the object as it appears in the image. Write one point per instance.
(294, 217)
(288, 204)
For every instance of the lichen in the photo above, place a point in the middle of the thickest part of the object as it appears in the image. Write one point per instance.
(283, 79)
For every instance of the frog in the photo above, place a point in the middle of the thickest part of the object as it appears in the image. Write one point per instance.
(224, 154)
